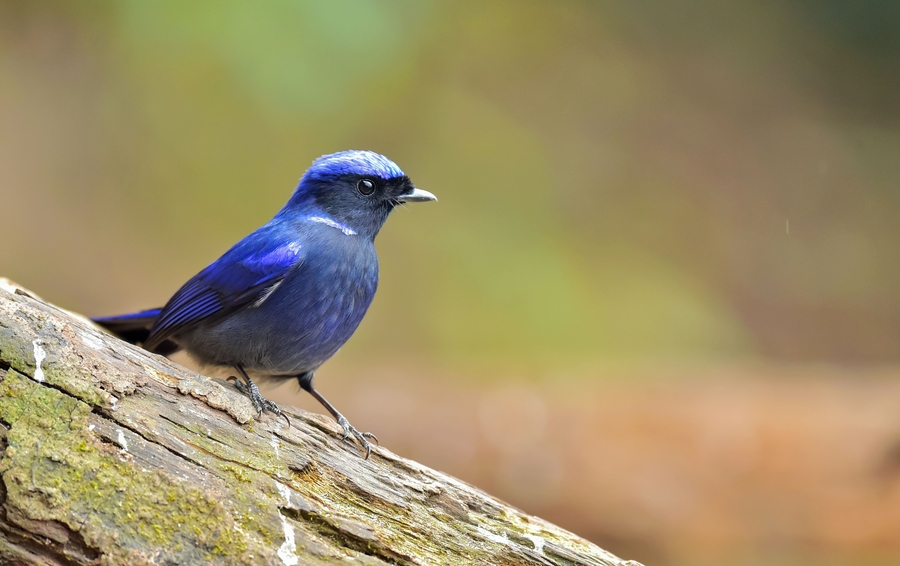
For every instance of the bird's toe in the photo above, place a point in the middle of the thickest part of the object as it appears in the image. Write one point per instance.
(353, 436)
(260, 403)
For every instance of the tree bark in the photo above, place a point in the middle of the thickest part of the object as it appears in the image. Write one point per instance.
(112, 455)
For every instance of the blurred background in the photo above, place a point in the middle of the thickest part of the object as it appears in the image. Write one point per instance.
(657, 302)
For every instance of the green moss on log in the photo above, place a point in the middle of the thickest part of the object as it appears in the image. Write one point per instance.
(69, 476)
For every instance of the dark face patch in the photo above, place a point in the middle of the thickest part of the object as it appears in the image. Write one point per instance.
(343, 198)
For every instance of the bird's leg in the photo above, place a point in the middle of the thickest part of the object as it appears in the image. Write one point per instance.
(350, 433)
(260, 403)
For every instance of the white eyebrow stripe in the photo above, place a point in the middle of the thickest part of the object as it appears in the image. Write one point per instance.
(329, 222)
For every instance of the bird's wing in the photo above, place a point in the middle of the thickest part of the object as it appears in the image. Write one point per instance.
(244, 276)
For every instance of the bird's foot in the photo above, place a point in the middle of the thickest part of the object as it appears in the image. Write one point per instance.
(260, 403)
(351, 435)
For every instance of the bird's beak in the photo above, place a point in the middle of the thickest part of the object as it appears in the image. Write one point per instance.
(417, 195)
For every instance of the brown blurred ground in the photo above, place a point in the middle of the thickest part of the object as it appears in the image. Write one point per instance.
(728, 466)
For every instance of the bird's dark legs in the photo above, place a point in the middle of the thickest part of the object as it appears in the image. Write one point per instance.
(260, 403)
(306, 382)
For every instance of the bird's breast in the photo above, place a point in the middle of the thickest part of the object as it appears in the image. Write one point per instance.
(316, 308)
(329, 289)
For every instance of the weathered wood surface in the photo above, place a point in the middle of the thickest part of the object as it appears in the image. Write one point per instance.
(111, 455)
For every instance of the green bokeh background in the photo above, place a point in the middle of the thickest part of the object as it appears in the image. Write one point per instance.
(621, 184)
(670, 181)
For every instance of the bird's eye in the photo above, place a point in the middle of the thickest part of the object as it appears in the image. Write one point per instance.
(365, 186)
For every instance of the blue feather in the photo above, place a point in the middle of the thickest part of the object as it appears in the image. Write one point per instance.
(353, 162)
(233, 281)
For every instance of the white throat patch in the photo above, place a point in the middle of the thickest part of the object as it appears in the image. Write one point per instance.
(329, 222)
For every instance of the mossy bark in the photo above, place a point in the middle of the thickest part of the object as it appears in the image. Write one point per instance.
(111, 455)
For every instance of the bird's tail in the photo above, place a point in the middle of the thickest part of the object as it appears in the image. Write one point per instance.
(135, 328)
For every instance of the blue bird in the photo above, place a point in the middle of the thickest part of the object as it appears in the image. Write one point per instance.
(284, 299)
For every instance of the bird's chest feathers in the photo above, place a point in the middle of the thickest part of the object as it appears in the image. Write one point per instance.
(333, 286)
(347, 276)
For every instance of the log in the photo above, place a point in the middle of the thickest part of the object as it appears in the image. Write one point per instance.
(113, 455)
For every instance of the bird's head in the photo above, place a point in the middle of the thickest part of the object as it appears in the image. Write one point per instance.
(356, 189)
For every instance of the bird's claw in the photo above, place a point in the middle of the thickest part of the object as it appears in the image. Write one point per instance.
(260, 403)
(351, 435)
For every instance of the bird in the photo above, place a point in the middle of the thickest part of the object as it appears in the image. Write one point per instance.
(285, 298)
